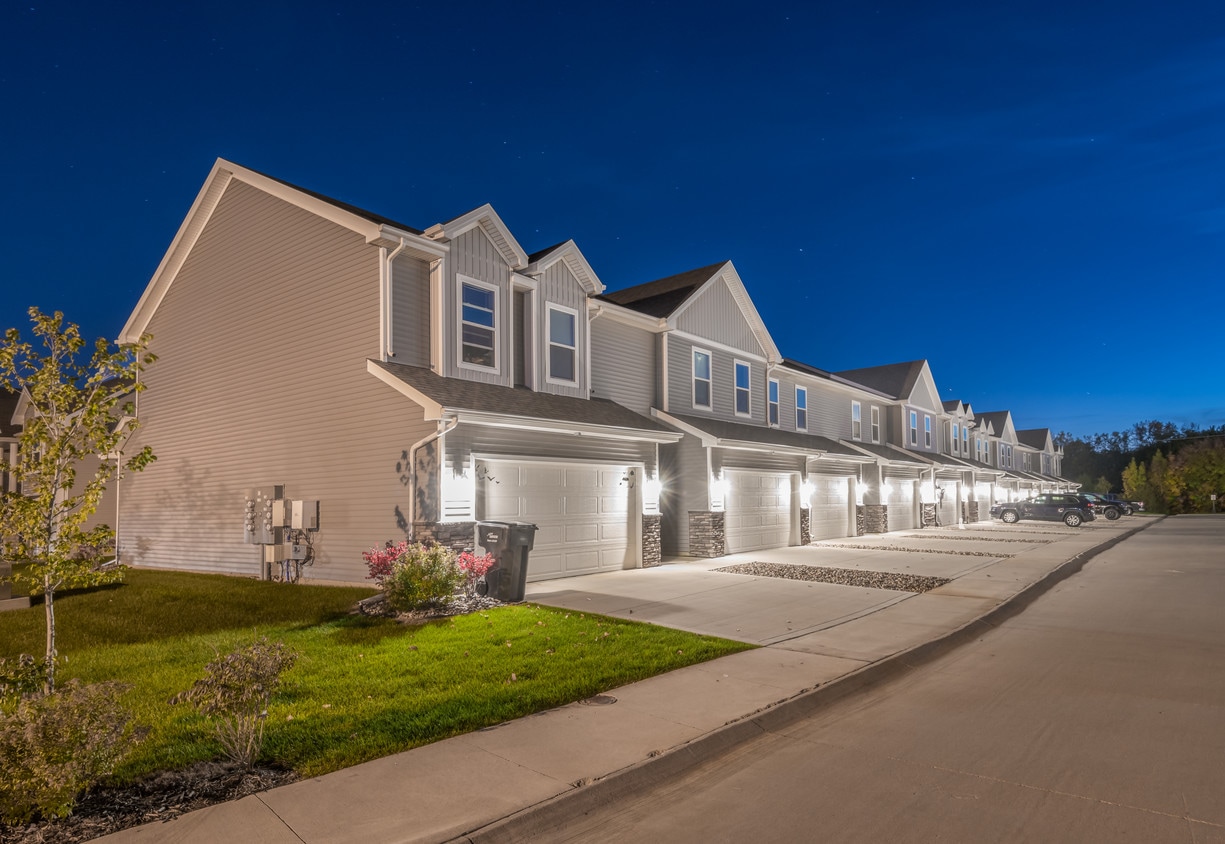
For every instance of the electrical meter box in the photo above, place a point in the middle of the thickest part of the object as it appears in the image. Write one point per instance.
(280, 512)
(304, 515)
(274, 553)
(295, 552)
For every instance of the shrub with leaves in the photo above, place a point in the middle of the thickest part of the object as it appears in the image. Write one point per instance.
(20, 678)
(55, 746)
(422, 577)
(234, 693)
(381, 561)
(474, 568)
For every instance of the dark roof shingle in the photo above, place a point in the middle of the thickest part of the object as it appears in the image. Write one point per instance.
(660, 298)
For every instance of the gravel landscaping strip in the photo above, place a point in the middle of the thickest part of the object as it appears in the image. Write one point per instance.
(916, 550)
(843, 577)
(973, 538)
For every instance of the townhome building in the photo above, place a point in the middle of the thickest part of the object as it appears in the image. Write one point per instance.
(415, 381)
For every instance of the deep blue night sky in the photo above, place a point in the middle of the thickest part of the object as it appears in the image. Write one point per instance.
(1030, 195)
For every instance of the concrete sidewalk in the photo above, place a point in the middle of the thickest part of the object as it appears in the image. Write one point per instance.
(820, 641)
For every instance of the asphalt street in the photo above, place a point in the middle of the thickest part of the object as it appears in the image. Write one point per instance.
(1097, 714)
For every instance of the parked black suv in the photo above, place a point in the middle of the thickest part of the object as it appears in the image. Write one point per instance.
(1110, 509)
(1064, 507)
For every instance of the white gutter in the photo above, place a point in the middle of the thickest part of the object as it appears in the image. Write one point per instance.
(385, 273)
(444, 425)
(592, 317)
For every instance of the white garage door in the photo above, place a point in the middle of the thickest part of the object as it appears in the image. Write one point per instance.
(901, 503)
(829, 518)
(758, 510)
(982, 493)
(581, 512)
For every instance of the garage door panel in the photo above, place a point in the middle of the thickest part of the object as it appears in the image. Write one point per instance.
(829, 515)
(901, 504)
(581, 511)
(758, 510)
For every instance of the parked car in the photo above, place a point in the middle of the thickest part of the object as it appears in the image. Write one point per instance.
(1136, 506)
(1110, 509)
(1069, 508)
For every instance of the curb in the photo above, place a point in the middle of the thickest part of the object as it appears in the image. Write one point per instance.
(527, 823)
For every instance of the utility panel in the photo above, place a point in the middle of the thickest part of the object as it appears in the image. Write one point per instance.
(304, 515)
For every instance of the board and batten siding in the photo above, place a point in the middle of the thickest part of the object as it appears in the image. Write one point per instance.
(558, 286)
(623, 364)
(475, 256)
(723, 369)
(261, 380)
(716, 314)
(410, 311)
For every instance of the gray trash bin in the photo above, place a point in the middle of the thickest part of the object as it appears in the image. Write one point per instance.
(509, 543)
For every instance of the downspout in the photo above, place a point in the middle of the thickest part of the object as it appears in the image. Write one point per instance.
(444, 425)
(592, 317)
(385, 261)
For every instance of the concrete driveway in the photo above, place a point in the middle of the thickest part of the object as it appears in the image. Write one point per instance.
(985, 563)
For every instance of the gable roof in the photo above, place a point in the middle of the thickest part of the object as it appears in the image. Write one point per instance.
(376, 229)
(998, 420)
(1038, 438)
(491, 224)
(953, 406)
(568, 253)
(667, 298)
(896, 380)
(480, 402)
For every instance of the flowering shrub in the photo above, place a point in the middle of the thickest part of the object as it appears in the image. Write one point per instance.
(474, 568)
(415, 576)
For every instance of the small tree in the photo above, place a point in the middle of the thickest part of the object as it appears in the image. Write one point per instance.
(78, 410)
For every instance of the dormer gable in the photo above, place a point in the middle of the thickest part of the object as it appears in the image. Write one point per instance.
(569, 254)
(488, 221)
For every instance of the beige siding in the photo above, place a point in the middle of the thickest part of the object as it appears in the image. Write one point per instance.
(410, 312)
(473, 255)
(716, 314)
(261, 380)
(623, 364)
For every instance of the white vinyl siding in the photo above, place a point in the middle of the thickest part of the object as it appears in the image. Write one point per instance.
(716, 314)
(623, 364)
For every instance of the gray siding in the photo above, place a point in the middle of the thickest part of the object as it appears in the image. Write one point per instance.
(680, 382)
(489, 441)
(716, 314)
(623, 364)
(686, 481)
(410, 310)
(261, 380)
(474, 255)
(559, 287)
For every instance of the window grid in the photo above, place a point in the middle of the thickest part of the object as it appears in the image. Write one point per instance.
(856, 421)
(743, 392)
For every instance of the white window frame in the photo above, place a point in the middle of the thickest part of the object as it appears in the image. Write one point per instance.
(461, 282)
(856, 421)
(737, 389)
(875, 415)
(965, 440)
(927, 431)
(956, 438)
(914, 427)
(801, 408)
(773, 419)
(549, 344)
(709, 380)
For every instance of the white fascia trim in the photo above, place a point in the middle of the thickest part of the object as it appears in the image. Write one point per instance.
(520, 283)
(413, 244)
(495, 230)
(625, 316)
(708, 343)
(855, 385)
(886, 461)
(433, 410)
(728, 275)
(575, 262)
(576, 429)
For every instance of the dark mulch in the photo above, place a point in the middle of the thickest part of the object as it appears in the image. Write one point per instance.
(162, 797)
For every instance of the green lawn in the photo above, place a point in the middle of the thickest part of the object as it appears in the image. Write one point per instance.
(361, 688)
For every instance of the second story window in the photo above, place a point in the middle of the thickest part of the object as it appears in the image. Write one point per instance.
(856, 421)
(801, 408)
(927, 431)
(701, 379)
(914, 428)
(773, 402)
(744, 406)
(478, 325)
(965, 441)
(875, 424)
(563, 353)
(956, 438)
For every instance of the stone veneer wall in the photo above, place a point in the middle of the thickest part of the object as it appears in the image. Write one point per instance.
(458, 536)
(971, 511)
(872, 518)
(706, 533)
(652, 549)
(928, 518)
(805, 525)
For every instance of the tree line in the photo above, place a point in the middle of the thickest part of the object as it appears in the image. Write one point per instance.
(1171, 468)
